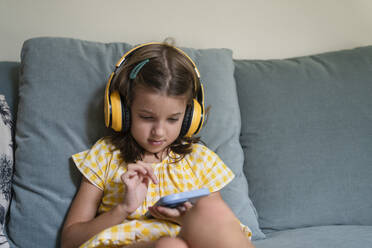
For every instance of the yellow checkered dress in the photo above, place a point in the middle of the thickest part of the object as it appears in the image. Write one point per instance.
(103, 166)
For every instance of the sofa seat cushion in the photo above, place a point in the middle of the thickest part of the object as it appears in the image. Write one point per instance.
(319, 237)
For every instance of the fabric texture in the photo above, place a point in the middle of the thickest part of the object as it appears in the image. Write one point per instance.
(60, 112)
(103, 167)
(6, 165)
(9, 77)
(307, 138)
(339, 236)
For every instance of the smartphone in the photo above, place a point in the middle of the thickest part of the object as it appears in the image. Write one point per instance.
(175, 200)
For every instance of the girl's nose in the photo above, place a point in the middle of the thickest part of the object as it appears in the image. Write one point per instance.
(158, 129)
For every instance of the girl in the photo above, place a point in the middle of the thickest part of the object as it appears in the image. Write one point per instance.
(154, 99)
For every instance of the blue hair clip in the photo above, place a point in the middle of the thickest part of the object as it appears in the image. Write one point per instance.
(137, 68)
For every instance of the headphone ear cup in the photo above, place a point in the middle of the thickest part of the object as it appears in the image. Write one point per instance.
(186, 123)
(116, 111)
(194, 120)
(198, 118)
(120, 114)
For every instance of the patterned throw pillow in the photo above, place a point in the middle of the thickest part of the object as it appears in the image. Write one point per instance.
(6, 164)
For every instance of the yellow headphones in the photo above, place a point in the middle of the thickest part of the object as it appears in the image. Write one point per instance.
(117, 114)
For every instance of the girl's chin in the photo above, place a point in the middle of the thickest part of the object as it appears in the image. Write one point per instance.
(156, 150)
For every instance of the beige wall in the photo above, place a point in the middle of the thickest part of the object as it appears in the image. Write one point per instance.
(251, 28)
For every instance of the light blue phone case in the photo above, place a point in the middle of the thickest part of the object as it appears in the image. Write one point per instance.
(174, 200)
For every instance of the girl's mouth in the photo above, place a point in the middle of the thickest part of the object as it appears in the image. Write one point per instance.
(156, 142)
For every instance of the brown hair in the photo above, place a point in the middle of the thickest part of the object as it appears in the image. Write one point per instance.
(169, 72)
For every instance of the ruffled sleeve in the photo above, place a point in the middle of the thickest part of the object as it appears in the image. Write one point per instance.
(93, 163)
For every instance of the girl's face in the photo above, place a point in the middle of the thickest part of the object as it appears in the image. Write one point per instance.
(156, 119)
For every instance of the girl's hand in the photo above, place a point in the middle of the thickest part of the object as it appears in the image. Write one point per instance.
(171, 214)
(136, 180)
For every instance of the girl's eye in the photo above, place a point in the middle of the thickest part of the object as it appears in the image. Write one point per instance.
(173, 119)
(146, 117)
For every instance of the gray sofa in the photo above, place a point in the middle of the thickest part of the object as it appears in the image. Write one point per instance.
(297, 133)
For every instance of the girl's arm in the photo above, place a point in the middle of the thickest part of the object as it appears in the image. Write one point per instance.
(81, 223)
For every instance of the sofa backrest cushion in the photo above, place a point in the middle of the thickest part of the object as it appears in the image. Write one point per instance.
(307, 138)
(61, 112)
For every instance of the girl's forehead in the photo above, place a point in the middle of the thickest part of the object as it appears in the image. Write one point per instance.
(153, 93)
(151, 100)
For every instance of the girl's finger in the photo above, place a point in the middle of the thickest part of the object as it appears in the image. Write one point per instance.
(187, 205)
(145, 169)
(138, 168)
(149, 170)
(168, 212)
(152, 176)
(154, 213)
(128, 175)
(182, 208)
